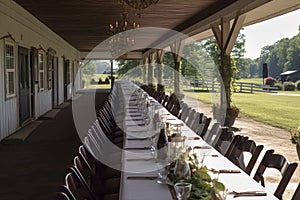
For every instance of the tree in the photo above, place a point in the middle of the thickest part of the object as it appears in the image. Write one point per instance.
(281, 56)
(168, 62)
(293, 54)
(253, 70)
(126, 65)
(194, 60)
(211, 47)
(89, 68)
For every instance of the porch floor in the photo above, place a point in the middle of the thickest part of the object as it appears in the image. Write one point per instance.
(34, 168)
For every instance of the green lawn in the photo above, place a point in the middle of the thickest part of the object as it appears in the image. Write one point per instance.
(277, 110)
(251, 80)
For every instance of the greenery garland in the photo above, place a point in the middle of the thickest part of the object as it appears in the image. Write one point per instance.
(203, 186)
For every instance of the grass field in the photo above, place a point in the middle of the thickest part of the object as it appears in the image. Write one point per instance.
(251, 80)
(279, 110)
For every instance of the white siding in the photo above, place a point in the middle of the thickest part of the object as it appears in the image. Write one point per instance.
(44, 102)
(8, 108)
(28, 32)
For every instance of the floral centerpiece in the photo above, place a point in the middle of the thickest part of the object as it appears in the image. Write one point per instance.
(295, 139)
(203, 186)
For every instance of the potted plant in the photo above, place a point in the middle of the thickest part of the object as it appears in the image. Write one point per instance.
(231, 114)
(295, 139)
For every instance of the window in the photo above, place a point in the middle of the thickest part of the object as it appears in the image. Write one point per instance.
(68, 72)
(49, 69)
(10, 70)
(41, 72)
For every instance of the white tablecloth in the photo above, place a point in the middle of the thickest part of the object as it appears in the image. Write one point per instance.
(150, 189)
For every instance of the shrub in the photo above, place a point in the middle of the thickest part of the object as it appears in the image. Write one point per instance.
(298, 85)
(289, 86)
(279, 86)
(270, 81)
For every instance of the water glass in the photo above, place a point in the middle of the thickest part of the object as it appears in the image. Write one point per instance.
(183, 190)
(163, 173)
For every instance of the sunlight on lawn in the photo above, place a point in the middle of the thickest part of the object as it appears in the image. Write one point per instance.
(277, 110)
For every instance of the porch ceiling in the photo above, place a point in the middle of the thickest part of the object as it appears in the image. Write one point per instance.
(84, 23)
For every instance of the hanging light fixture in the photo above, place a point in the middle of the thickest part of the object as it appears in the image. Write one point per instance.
(121, 38)
(139, 5)
(122, 25)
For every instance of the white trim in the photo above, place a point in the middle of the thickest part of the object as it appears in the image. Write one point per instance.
(41, 71)
(10, 70)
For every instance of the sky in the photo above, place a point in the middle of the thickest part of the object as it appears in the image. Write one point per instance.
(270, 31)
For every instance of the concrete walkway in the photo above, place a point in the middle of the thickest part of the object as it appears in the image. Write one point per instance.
(33, 168)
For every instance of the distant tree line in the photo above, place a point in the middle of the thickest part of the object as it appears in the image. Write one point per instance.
(282, 56)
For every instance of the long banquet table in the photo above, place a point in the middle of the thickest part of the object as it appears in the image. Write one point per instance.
(148, 189)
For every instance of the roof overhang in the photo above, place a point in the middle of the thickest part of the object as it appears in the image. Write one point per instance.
(84, 24)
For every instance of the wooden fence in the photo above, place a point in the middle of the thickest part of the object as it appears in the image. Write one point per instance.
(252, 87)
(238, 86)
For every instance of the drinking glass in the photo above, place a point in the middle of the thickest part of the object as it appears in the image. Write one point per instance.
(153, 139)
(183, 190)
(163, 172)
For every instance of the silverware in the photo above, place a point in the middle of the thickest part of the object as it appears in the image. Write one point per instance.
(247, 193)
(202, 147)
(138, 148)
(142, 177)
(140, 159)
(138, 138)
(193, 138)
(234, 171)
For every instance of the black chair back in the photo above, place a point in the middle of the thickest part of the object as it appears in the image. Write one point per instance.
(279, 162)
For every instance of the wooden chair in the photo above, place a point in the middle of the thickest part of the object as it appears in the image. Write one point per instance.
(255, 150)
(205, 122)
(171, 102)
(226, 137)
(185, 113)
(197, 121)
(97, 166)
(97, 183)
(237, 155)
(61, 196)
(213, 135)
(76, 186)
(183, 107)
(296, 195)
(165, 100)
(160, 97)
(191, 118)
(176, 108)
(279, 162)
(63, 189)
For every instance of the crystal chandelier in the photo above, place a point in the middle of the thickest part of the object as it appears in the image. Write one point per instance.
(122, 25)
(122, 35)
(139, 4)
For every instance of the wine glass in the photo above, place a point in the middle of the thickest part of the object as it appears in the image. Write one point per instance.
(183, 190)
(182, 169)
(163, 172)
(153, 139)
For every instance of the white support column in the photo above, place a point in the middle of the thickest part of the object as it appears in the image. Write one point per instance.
(177, 48)
(226, 34)
(145, 69)
(160, 56)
